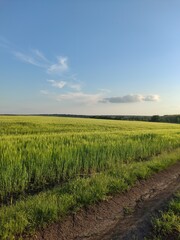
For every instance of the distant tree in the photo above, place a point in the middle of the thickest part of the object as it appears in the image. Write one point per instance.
(178, 119)
(155, 118)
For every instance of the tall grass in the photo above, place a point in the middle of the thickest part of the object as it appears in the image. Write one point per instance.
(27, 215)
(29, 162)
(167, 225)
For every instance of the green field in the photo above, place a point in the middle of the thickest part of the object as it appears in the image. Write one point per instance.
(50, 166)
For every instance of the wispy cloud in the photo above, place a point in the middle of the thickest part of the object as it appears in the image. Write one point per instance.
(40, 55)
(57, 84)
(37, 58)
(68, 82)
(59, 67)
(61, 84)
(80, 97)
(74, 97)
(131, 98)
(25, 58)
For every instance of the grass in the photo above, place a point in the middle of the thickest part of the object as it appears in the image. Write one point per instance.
(52, 205)
(36, 161)
(53, 166)
(167, 225)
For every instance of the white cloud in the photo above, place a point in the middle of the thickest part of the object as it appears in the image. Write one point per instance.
(80, 97)
(39, 55)
(60, 84)
(74, 97)
(36, 59)
(131, 98)
(59, 67)
(152, 98)
(57, 84)
(25, 58)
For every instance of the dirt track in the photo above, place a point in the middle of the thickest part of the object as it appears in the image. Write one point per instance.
(124, 216)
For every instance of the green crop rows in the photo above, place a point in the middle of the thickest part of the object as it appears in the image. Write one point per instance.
(71, 162)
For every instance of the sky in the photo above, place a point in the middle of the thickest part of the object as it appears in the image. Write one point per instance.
(90, 57)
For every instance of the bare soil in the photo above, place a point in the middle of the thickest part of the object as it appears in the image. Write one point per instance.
(123, 216)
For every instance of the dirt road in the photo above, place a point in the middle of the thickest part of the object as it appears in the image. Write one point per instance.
(124, 216)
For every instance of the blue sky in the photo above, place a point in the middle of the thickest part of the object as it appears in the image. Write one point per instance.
(90, 56)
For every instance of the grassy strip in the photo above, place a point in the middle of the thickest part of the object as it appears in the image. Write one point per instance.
(39, 210)
(167, 226)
